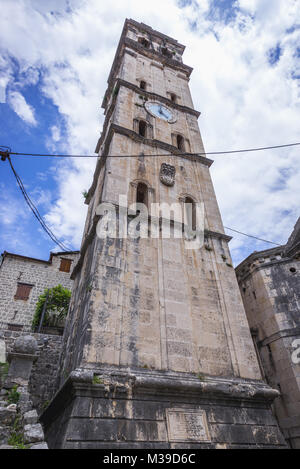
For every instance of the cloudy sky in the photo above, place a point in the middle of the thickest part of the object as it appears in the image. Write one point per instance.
(55, 57)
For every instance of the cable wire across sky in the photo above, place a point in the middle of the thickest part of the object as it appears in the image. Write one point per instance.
(35, 211)
(5, 152)
(227, 152)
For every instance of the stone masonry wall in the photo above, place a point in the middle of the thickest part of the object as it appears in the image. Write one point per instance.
(270, 289)
(42, 384)
(40, 274)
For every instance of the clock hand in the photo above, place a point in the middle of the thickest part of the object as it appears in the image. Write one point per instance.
(162, 113)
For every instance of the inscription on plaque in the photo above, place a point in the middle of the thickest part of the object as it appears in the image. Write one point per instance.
(187, 425)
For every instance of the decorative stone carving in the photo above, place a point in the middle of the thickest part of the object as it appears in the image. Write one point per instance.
(167, 174)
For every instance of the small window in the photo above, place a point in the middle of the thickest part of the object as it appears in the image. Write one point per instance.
(142, 194)
(65, 265)
(173, 97)
(180, 142)
(23, 291)
(191, 214)
(144, 42)
(143, 85)
(142, 128)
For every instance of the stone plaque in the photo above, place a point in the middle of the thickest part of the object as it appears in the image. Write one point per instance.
(187, 425)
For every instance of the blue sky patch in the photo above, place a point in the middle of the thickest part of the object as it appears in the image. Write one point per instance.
(274, 54)
(222, 10)
(37, 174)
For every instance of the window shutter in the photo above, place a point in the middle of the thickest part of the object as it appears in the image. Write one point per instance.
(65, 265)
(23, 291)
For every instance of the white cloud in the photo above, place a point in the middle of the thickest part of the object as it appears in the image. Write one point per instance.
(11, 212)
(245, 102)
(55, 133)
(21, 107)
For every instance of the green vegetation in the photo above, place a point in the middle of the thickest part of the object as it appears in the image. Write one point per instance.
(97, 380)
(85, 194)
(45, 404)
(16, 440)
(56, 309)
(13, 395)
(116, 91)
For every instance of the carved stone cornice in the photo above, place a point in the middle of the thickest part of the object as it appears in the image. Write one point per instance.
(260, 260)
(90, 235)
(114, 128)
(292, 248)
(154, 96)
(117, 383)
(147, 94)
(217, 235)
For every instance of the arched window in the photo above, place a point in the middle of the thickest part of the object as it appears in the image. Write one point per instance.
(142, 194)
(143, 85)
(190, 211)
(144, 42)
(180, 142)
(142, 128)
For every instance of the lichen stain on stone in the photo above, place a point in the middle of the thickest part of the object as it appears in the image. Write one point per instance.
(113, 408)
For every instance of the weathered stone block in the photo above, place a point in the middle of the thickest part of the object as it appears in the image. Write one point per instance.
(33, 433)
(7, 416)
(5, 431)
(30, 417)
(39, 446)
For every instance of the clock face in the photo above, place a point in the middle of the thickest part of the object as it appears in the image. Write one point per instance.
(160, 111)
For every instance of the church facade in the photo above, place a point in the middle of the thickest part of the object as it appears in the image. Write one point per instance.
(157, 347)
(269, 282)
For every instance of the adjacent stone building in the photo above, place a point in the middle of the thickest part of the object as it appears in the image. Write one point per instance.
(157, 348)
(270, 286)
(23, 279)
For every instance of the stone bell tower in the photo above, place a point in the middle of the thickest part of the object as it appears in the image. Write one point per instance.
(157, 348)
